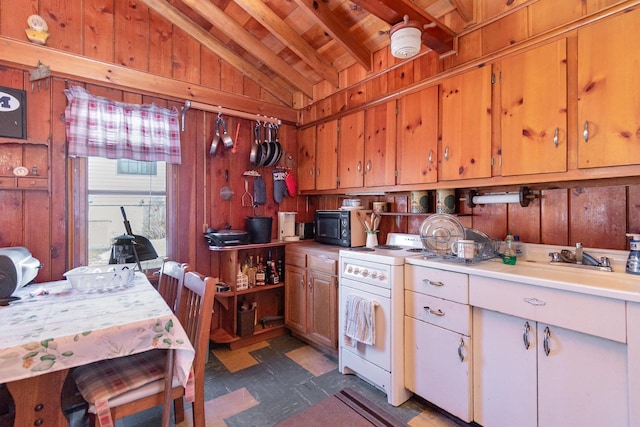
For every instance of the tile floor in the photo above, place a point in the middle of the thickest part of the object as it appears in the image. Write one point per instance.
(270, 381)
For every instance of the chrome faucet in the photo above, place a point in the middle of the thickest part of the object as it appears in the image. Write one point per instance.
(579, 259)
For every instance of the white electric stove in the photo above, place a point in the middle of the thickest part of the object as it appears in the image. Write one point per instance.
(377, 274)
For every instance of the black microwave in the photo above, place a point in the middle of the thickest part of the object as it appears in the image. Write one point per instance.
(341, 227)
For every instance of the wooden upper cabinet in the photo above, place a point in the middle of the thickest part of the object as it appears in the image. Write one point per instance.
(418, 137)
(306, 159)
(351, 151)
(326, 156)
(608, 88)
(380, 145)
(465, 150)
(533, 111)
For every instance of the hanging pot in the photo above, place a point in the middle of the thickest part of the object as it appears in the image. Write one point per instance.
(253, 156)
(216, 138)
(277, 147)
(225, 137)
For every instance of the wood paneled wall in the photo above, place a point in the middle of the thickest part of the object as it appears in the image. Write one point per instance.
(596, 216)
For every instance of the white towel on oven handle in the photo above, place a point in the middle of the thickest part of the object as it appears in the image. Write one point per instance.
(359, 321)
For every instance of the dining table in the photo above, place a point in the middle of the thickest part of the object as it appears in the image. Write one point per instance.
(50, 328)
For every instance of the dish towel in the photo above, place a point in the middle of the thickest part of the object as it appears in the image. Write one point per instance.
(359, 321)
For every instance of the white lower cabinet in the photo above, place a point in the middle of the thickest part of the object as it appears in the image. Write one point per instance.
(437, 339)
(527, 372)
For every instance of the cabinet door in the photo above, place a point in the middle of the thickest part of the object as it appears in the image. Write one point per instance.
(295, 296)
(418, 137)
(326, 154)
(582, 380)
(380, 145)
(504, 370)
(533, 113)
(438, 367)
(323, 308)
(608, 87)
(465, 150)
(351, 151)
(306, 159)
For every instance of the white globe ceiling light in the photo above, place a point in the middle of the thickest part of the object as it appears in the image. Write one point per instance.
(406, 38)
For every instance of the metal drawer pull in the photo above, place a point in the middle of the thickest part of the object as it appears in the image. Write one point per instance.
(547, 336)
(585, 132)
(525, 335)
(555, 137)
(460, 348)
(437, 312)
(535, 301)
(432, 282)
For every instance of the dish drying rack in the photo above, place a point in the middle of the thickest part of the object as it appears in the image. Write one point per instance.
(439, 249)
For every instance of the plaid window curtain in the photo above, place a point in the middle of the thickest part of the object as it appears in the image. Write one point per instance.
(100, 127)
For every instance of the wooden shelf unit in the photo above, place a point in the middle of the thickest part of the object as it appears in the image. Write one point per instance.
(269, 299)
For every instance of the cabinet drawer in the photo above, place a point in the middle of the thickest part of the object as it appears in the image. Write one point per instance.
(40, 183)
(439, 283)
(437, 311)
(323, 263)
(590, 314)
(7, 182)
(297, 259)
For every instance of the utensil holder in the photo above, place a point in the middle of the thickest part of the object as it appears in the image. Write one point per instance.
(372, 239)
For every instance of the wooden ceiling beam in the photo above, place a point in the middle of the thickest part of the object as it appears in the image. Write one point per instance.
(180, 20)
(435, 34)
(335, 28)
(283, 32)
(255, 47)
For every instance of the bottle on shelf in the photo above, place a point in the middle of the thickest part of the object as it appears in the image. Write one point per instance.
(518, 246)
(260, 274)
(275, 277)
(280, 270)
(509, 256)
(252, 273)
(268, 270)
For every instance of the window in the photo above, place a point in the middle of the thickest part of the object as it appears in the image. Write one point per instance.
(134, 167)
(138, 187)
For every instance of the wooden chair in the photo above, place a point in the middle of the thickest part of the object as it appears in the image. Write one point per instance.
(170, 282)
(195, 310)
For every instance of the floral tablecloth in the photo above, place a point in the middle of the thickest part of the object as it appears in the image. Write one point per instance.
(54, 327)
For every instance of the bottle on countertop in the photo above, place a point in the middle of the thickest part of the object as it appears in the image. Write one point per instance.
(509, 256)
(633, 261)
(518, 247)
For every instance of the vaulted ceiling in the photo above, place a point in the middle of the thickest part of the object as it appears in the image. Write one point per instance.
(288, 46)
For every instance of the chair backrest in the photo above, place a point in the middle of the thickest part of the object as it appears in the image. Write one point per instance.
(195, 310)
(170, 282)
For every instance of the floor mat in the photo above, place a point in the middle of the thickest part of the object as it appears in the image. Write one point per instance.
(346, 407)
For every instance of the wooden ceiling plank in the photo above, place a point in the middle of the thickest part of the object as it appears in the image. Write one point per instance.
(247, 41)
(465, 9)
(334, 27)
(180, 20)
(281, 30)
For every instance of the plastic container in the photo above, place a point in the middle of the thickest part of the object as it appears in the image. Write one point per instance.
(259, 228)
(101, 277)
(633, 261)
(509, 256)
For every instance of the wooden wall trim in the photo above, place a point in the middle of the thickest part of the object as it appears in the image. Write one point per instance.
(65, 64)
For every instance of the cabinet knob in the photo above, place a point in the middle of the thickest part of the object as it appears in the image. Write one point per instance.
(369, 166)
(446, 152)
(359, 167)
(430, 156)
(555, 137)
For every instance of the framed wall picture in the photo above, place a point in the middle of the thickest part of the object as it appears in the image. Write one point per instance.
(13, 113)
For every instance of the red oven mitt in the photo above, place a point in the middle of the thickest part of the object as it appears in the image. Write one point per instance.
(292, 185)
